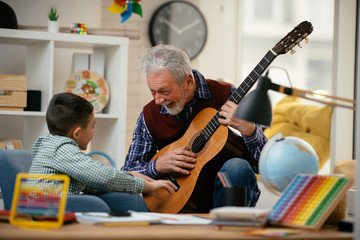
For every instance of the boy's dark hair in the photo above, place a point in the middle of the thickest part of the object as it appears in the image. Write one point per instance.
(67, 110)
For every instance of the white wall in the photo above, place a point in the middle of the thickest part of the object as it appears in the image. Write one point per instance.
(34, 12)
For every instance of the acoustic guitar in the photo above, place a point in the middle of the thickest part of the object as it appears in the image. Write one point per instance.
(206, 137)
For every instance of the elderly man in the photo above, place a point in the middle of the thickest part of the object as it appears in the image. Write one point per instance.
(180, 93)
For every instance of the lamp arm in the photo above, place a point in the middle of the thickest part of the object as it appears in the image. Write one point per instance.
(302, 94)
(326, 96)
(281, 89)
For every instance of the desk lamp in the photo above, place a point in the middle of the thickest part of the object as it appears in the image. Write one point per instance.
(256, 106)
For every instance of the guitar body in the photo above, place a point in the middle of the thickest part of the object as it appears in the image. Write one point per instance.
(173, 203)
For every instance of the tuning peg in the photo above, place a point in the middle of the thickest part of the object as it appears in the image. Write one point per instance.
(306, 40)
(299, 45)
(292, 51)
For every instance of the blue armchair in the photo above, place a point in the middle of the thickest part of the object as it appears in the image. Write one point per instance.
(13, 162)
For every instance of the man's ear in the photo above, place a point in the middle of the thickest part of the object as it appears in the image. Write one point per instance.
(189, 80)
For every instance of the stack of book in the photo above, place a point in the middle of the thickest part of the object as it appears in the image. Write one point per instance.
(240, 217)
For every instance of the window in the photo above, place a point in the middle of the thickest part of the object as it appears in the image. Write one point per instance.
(266, 22)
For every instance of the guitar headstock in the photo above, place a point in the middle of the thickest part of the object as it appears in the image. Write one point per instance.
(293, 38)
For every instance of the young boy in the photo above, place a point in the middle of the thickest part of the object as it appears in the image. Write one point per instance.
(71, 123)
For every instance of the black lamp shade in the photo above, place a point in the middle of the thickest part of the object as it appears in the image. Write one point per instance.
(256, 106)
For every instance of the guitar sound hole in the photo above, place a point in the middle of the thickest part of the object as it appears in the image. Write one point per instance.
(198, 143)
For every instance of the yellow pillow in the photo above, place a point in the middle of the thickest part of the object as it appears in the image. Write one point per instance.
(308, 122)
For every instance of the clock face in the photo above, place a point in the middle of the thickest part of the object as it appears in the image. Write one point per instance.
(179, 24)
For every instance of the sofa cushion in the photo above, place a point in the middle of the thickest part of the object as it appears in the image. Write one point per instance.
(311, 123)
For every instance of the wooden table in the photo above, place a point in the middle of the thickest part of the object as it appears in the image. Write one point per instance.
(78, 231)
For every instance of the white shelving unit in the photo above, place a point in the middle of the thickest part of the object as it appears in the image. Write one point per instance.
(46, 59)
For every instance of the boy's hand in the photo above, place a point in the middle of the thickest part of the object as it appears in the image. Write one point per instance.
(152, 187)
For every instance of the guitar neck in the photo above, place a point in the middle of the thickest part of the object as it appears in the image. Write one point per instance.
(241, 91)
(250, 80)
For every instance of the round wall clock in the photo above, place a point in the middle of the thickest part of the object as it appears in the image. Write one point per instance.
(91, 86)
(180, 24)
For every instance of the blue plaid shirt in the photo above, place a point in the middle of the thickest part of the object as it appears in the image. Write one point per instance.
(142, 148)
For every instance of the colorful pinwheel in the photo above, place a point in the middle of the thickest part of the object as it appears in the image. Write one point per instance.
(125, 8)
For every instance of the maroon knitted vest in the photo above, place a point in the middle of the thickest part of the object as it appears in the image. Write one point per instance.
(165, 128)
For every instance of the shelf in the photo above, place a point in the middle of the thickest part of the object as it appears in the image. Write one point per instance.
(26, 37)
(116, 32)
(22, 113)
(43, 114)
(45, 58)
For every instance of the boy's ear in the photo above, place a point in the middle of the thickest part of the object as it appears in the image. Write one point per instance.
(75, 133)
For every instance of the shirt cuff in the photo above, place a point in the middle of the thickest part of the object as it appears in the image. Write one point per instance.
(153, 173)
(139, 185)
(254, 137)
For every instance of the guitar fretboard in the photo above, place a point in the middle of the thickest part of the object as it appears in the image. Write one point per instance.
(241, 91)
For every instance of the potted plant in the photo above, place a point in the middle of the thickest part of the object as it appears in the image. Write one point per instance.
(53, 24)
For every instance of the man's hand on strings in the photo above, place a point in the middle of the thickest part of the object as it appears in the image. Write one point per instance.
(179, 160)
(227, 114)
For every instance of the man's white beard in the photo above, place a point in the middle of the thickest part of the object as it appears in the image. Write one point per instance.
(178, 107)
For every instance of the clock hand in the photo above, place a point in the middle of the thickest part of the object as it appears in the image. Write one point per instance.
(170, 24)
(187, 27)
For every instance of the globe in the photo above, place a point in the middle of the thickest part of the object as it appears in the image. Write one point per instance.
(284, 157)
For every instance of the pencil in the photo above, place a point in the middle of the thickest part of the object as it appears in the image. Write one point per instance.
(224, 178)
(221, 179)
(227, 179)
